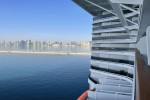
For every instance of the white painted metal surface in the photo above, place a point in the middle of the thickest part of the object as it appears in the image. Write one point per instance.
(127, 1)
(148, 44)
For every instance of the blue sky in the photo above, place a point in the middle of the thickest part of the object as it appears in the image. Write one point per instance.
(49, 20)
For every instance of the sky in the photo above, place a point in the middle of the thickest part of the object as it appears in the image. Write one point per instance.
(50, 20)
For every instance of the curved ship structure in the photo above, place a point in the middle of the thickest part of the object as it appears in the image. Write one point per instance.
(120, 52)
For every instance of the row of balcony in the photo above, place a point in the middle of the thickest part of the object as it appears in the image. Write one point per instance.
(113, 65)
(109, 85)
(115, 41)
(113, 37)
(103, 16)
(121, 72)
(114, 25)
(112, 49)
(120, 86)
(113, 60)
(107, 26)
(109, 17)
(114, 30)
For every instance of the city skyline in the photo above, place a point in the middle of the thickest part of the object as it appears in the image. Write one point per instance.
(65, 41)
(40, 47)
(37, 20)
(44, 43)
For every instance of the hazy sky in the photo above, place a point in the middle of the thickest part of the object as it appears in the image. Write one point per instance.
(49, 20)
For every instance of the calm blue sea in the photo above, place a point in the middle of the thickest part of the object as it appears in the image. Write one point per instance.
(43, 77)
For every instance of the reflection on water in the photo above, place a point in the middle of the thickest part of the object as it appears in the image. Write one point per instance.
(47, 48)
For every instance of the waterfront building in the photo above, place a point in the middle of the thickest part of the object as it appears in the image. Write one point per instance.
(73, 44)
(16, 44)
(9, 43)
(60, 43)
(22, 43)
(120, 52)
(4, 43)
(28, 42)
(85, 44)
(34, 43)
(44, 43)
(56, 44)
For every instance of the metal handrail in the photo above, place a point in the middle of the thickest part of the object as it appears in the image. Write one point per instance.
(142, 72)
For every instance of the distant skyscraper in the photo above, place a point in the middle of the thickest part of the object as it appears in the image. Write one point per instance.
(28, 42)
(22, 43)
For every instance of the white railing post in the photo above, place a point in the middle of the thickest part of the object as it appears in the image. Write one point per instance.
(148, 44)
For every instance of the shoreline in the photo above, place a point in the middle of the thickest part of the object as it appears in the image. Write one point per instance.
(48, 53)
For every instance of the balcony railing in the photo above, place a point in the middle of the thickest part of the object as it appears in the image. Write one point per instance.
(103, 16)
(112, 37)
(113, 60)
(113, 25)
(109, 32)
(109, 15)
(121, 72)
(107, 26)
(142, 79)
(112, 49)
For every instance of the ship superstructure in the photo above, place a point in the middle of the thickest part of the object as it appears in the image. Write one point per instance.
(119, 33)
